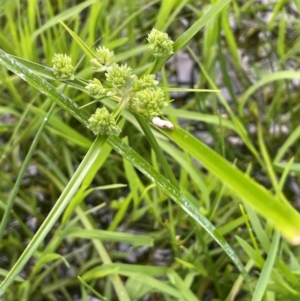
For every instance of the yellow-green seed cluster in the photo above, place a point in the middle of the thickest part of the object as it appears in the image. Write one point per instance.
(95, 88)
(160, 43)
(148, 102)
(103, 59)
(62, 66)
(102, 123)
(119, 75)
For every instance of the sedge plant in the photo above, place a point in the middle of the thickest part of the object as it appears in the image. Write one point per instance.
(141, 99)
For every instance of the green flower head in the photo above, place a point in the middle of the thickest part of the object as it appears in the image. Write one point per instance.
(148, 102)
(119, 75)
(160, 43)
(95, 88)
(146, 81)
(101, 122)
(62, 66)
(103, 60)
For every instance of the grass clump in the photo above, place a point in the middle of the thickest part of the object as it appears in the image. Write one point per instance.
(146, 210)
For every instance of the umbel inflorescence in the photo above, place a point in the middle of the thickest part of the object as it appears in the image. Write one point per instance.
(140, 94)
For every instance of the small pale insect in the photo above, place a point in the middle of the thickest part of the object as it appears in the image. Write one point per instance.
(163, 124)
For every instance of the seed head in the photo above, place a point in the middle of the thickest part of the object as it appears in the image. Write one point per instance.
(62, 66)
(101, 122)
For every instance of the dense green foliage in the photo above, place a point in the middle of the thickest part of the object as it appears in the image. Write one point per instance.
(207, 211)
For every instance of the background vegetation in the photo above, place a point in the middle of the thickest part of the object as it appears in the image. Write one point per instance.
(152, 214)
